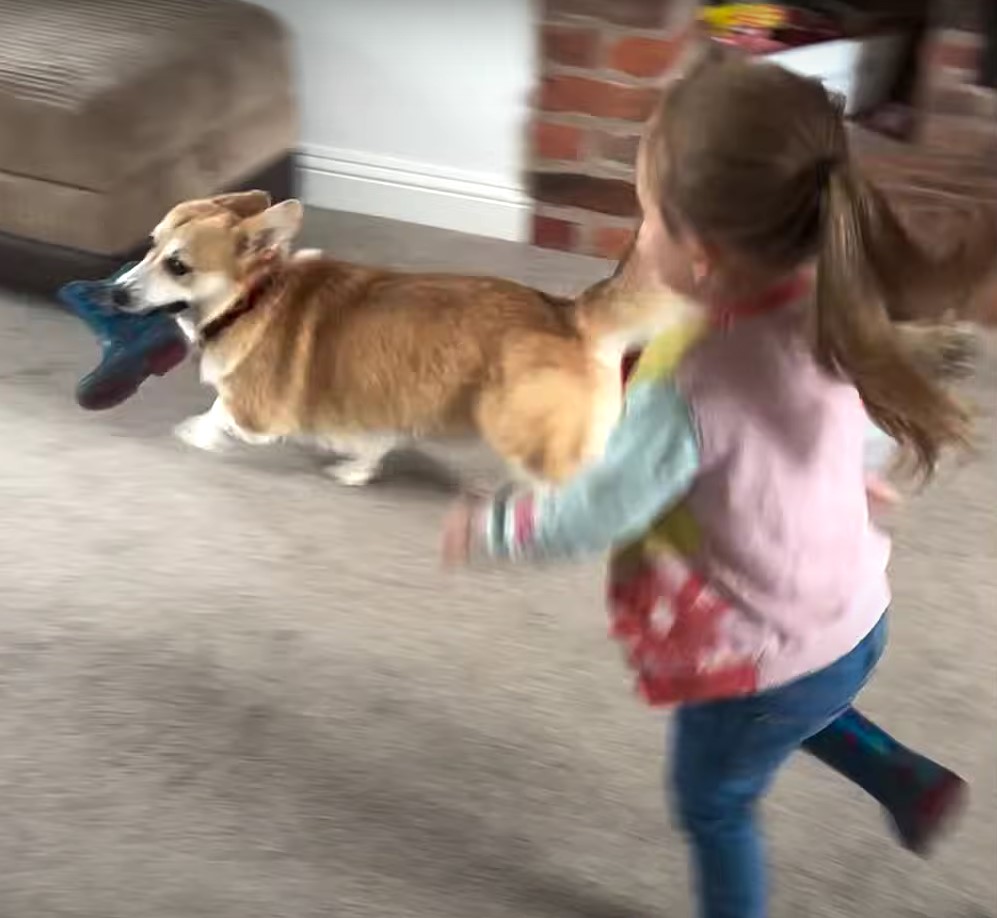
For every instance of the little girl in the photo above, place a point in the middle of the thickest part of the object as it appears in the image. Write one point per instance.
(748, 585)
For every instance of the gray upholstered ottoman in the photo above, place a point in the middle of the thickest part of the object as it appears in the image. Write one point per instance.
(111, 111)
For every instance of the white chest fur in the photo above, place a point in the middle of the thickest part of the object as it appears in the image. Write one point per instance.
(212, 370)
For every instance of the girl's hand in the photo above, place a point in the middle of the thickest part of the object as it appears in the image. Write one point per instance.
(880, 493)
(456, 543)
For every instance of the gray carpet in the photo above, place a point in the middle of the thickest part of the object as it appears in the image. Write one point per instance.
(229, 688)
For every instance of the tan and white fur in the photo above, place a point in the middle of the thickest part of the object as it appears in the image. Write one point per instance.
(360, 360)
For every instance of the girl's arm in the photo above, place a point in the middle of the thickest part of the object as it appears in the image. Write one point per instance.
(880, 449)
(651, 459)
(880, 452)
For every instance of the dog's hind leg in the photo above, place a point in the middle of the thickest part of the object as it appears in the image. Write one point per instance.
(539, 426)
(363, 456)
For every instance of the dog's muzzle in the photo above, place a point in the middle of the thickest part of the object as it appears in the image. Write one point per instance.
(122, 298)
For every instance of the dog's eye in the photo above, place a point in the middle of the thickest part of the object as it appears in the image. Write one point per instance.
(176, 266)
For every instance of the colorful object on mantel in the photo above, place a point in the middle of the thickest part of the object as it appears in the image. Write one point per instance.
(763, 28)
(731, 16)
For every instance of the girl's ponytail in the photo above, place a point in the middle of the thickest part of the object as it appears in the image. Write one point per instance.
(868, 271)
(755, 160)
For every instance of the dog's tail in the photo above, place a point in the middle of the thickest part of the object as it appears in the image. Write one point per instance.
(623, 313)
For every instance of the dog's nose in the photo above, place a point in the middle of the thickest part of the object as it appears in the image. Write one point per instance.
(120, 296)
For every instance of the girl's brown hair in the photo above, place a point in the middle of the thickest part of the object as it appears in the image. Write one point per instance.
(756, 160)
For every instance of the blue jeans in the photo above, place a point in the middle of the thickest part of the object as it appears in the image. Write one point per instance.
(726, 754)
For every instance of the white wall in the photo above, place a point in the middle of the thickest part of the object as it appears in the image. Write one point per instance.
(416, 109)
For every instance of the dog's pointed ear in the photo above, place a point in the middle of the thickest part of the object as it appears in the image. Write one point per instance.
(275, 227)
(243, 203)
(184, 213)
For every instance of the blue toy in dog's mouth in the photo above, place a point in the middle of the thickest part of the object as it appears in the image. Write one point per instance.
(133, 346)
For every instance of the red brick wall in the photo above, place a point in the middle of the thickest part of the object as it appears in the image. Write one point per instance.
(601, 64)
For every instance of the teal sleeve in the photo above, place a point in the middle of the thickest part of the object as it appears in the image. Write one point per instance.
(650, 462)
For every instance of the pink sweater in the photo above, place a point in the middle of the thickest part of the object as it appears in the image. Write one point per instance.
(779, 499)
(732, 493)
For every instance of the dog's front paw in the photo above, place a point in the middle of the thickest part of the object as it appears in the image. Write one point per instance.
(353, 473)
(201, 432)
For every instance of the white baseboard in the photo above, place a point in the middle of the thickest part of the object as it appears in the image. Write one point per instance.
(413, 192)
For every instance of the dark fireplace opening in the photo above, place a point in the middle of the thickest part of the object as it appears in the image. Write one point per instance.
(988, 57)
(950, 53)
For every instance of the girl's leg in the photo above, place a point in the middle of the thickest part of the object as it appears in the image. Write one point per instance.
(725, 756)
(920, 795)
(719, 774)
